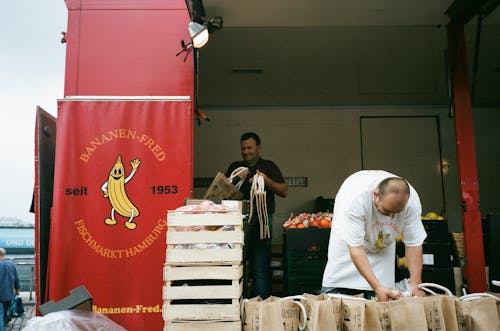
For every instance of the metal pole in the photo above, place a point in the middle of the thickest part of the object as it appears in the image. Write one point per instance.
(467, 163)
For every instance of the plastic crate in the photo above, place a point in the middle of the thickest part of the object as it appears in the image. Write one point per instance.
(437, 255)
(309, 240)
(441, 276)
(301, 287)
(304, 272)
(437, 231)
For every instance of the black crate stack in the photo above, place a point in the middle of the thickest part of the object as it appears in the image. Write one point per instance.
(305, 253)
(437, 256)
(491, 229)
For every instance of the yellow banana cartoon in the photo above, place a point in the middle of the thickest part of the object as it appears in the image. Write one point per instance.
(380, 241)
(114, 190)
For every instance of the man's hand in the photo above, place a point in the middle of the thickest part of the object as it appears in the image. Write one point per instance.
(384, 294)
(281, 189)
(243, 174)
(416, 292)
(264, 176)
(414, 259)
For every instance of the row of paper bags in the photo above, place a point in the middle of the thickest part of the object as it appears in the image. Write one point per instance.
(346, 313)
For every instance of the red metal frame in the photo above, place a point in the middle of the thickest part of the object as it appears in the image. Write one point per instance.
(467, 164)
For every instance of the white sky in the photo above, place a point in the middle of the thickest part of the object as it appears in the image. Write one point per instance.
(32, 61)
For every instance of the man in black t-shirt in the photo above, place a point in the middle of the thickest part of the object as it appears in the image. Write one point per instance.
(259, 250)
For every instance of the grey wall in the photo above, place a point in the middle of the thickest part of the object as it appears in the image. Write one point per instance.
(324, 66)
(487, 134)
(304, 90)
(322, 144)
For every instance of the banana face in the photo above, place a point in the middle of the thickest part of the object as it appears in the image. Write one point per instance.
(114, 190)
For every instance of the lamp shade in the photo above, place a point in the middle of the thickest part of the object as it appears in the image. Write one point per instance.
(198, 33)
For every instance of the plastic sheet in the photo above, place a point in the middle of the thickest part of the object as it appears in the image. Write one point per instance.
(72, 320)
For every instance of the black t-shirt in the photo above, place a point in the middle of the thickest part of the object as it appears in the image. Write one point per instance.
(266, 166)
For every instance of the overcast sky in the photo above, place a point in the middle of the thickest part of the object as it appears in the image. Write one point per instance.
(31, 73)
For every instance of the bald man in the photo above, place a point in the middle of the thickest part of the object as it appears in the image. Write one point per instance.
(371, 208)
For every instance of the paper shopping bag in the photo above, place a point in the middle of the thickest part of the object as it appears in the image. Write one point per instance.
(359, 315)
(477, 314)
(400, 315)
(323, 312)
(440, 312)
(280, 314)
(221, 188)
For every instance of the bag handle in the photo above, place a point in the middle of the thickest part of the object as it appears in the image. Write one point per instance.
(426, 287)
(301, 306)
(236, 172)
(474, 296)
(345, 296)
(242, 309)
(290, 298)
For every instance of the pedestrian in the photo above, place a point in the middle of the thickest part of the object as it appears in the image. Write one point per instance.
(372, 208)
(9, 286)
(259, 249)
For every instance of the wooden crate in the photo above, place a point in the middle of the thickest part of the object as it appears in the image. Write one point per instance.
(203, 326)
(231, 293)
(180, 234)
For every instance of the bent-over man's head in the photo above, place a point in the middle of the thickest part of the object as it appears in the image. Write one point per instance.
(2, 252)
(391, 195)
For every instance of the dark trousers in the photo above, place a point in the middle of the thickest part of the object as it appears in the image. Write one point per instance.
(4, 306)
(259, 256)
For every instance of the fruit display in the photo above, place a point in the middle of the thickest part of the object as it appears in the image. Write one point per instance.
(306, 220)
(432, 216)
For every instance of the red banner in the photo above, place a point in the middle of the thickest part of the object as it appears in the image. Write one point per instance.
(120, 165)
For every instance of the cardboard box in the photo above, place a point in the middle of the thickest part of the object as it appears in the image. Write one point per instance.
(79, 298)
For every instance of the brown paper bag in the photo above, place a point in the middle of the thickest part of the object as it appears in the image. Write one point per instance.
(223, 189)
(477, 314)
(440, 312)
(280, 314)
(323, 312)
(498, 301)
(256, 315)
(407, 314)
(293, 312)
(359, 315)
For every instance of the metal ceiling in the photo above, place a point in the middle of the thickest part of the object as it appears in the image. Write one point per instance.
(304, 13)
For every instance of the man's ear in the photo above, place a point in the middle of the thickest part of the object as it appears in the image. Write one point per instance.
(375, 194)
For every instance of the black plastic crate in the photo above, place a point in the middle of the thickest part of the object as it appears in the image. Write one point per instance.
(305, 266)
(437, 231)
(437, 255)
(324, 204)
(304, 272)
(306, 240)
(300, 287)
(441, 276)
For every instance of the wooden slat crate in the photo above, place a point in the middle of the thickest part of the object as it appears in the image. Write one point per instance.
(231, 293)
(180, 234)
(203, 326)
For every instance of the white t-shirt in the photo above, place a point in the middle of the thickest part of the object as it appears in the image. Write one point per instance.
(357, 221)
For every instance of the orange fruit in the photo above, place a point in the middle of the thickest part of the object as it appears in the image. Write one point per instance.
(292, 226)
(314, 223)
(301, 226)
(324, 223)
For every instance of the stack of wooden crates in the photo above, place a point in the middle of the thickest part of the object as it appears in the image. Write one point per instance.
(203, 270)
